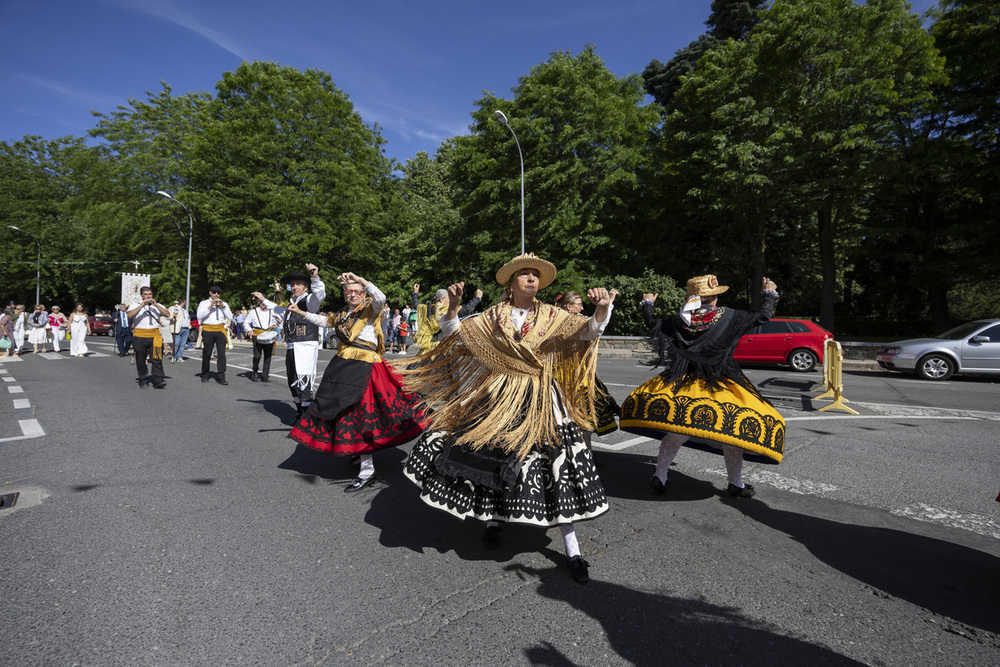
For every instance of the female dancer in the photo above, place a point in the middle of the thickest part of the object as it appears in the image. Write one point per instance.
(504, 391)
(360, 405)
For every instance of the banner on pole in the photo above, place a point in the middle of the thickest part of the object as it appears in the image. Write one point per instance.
(131, 284)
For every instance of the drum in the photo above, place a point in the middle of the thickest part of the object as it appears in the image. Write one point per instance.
(268, 337)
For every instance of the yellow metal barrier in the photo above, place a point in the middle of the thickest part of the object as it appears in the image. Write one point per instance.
(833, 378)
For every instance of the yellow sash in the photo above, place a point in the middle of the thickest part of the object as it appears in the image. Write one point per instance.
(157, 340)
(220, 328)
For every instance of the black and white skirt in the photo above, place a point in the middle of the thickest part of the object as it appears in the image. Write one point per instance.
(551, 486)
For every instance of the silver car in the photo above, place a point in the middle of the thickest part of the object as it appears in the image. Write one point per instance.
(973, 347)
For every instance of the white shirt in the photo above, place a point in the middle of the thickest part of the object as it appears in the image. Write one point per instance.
(209, 314)
(309, 302)
(261, 318)
(147, 318)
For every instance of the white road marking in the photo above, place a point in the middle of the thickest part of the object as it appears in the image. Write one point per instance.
(619, 446)
(21, 403)
(977, 523)
(15, 389)
(9, 379)
(30, 429)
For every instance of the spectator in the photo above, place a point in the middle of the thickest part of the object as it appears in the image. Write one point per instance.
(57, 326)
(180, 329)
(404, 330)
(7, 331)
(38, 328)
(20, 326)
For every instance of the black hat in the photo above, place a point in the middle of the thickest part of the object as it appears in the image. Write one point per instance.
(298, 275)
(215, 288)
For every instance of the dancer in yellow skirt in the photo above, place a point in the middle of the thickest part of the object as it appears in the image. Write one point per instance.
(703, 399)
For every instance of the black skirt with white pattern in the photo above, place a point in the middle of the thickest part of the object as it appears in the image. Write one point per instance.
(551, 486)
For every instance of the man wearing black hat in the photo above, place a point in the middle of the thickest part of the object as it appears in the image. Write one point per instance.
(213, 317)
(302, 336)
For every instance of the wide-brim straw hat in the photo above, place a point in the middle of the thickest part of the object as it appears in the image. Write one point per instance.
(707, 285)
(546, 270)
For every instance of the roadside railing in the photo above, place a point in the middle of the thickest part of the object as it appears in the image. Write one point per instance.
(833, 378)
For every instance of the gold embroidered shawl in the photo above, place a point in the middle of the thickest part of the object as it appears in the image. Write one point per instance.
(491, 386)
(428, 324)
(348, 324)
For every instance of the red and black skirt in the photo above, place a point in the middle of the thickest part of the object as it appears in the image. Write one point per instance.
(359, 408)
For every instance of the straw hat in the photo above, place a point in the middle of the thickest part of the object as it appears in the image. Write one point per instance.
(705, 286)
(546, 270)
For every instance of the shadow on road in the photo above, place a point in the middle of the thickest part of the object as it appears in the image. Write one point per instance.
(626, 476)
(948, 579)
(654, 629)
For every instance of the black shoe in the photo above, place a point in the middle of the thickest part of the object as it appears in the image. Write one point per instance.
(143, 385)
(253, 377)
(578, 568)
(159, 385)
(359, 484)
(221, 380)
(264, 378)
(658, 487)
(205, 378)
(736, 492)
(491, 536)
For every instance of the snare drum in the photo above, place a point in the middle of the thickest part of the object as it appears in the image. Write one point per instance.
(268, 337)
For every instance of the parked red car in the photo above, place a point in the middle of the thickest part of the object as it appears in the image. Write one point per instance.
(798, 343)
(100, 325)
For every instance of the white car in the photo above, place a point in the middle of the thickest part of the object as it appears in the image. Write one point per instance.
(973, 347)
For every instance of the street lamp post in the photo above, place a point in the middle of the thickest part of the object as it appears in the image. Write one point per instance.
(503, 121)
(187, 294)
(38, 266)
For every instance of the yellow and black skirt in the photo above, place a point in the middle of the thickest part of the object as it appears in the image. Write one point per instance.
(733, 415)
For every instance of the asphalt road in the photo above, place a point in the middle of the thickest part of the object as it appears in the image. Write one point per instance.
(181, 527)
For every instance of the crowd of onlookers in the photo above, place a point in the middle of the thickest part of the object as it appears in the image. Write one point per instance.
(23, 332)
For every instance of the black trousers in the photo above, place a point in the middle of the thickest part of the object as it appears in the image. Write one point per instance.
(145, 350)
(262, 351)
(216, 339)
(299, 395)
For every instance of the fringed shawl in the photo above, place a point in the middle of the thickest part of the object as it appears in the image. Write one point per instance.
(492, 387)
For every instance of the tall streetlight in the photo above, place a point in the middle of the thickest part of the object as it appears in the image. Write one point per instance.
(38, 268)
(187, 294)
(503, 121)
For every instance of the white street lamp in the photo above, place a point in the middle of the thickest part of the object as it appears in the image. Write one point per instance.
(38, 266)
(187, 293)
(503, 121)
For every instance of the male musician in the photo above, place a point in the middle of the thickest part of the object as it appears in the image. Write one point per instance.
(308, 292)
(146, 338)
(213, 318)
(259, 320)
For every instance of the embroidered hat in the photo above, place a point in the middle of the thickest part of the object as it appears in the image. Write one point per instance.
(546, 270)
(705, 286)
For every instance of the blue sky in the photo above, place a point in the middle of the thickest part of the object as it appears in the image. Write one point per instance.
(415, 68)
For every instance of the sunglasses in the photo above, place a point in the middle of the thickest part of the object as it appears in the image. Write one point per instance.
(349, 292)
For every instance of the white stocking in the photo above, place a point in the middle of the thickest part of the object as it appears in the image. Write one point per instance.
(569, 539)
(367, 466)
(734, 464)
(669, 446)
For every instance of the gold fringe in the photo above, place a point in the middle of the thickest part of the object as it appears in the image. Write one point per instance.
(490, 390)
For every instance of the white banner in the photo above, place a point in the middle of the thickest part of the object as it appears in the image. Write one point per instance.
(131, 283)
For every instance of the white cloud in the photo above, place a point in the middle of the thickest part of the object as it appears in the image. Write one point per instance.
(70, 93)
(174, 14)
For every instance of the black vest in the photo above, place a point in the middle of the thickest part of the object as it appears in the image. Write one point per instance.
(299, 329)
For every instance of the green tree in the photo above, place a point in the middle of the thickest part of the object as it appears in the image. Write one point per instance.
(797, 119)
(583, 132)
(729, 19)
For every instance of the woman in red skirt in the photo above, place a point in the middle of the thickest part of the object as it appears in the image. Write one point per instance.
(360, 406)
